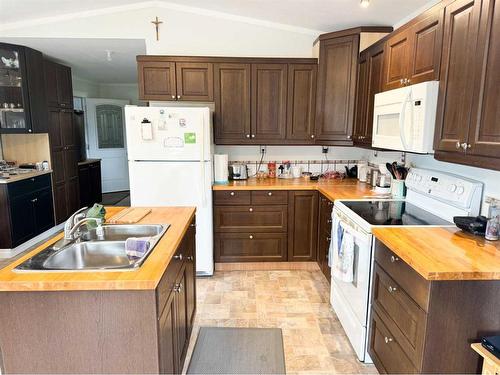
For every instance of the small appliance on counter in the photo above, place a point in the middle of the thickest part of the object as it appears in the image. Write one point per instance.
(471, 224)
(238, 172)
(492, 344)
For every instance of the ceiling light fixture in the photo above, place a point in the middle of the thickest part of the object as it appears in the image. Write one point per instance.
(364, 3)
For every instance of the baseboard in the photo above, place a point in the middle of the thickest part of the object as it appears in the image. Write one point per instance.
(267, 266)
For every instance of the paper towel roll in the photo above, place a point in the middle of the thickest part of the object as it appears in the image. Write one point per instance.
(220, 168)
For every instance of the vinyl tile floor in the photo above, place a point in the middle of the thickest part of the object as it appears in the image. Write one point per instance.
(295, 301)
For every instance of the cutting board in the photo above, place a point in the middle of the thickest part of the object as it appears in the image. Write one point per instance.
(130, 215)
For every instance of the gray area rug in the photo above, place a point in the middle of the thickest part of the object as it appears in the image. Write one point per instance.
(238, 351)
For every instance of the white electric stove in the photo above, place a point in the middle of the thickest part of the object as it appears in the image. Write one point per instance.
(433, 199)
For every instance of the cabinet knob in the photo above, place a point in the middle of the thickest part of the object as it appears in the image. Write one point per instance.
(34, 200)
(465, 145)
(349, 136)
(312, 135)
(190, 258)
(173, 96)
(270, 193)
(457, 145)
(179, 257)
(250, 209)
(32, 179)
(178, 96)
(178, 287)
(408, 81)
(248, 135)
(401, 81)
(231, 193)
(329, 221)
(253, 135)
(392, 289)
(29, 130)
(328, 238)
(251, 237)
(394, 259)
(387, 339)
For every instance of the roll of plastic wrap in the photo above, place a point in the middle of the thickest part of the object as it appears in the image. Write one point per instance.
(221, 168)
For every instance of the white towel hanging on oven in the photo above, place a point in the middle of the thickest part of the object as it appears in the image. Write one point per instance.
(343, 260)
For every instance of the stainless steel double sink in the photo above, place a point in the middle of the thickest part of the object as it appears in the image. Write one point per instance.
(95, 249)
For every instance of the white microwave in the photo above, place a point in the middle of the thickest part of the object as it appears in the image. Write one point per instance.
(404, 119)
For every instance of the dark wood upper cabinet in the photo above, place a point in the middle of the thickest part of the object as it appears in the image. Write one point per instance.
(413, 55)
(397, 51)
(58, 84)
(336, 89)
(269, 95)
(457, 75)
(361, 99)
(426, 39)
(484, 130)
(375, 76)
(157, 80)
(302, 225)
(232, 102)
(301, 107)
(195, 81)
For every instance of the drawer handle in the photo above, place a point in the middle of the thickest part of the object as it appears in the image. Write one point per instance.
(231, 193)
(250, 209)
(270, 193)
(394, 259)
(388, 339)
(179, 257)
(392, 289)
(251, 237)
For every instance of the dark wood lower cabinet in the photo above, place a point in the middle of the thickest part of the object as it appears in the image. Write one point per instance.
(324, 234)
(303, 225)
(89, 176)
(103, 331)
(421, 326)
(250, 247)
(26, 210)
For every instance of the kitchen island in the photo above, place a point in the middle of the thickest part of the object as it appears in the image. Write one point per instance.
(136, 321)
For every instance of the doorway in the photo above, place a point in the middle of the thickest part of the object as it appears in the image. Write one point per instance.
(106, 140)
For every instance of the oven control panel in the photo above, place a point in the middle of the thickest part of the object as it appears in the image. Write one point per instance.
(452, 189)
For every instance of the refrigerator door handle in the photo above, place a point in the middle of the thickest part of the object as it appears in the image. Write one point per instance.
(202, 161)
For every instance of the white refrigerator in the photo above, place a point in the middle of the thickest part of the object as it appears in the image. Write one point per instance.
(170, 164)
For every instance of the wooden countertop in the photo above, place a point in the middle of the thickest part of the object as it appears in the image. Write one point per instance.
(88, 161)
(23, 176)
(348, 188)
(146, 277)
(443, 253)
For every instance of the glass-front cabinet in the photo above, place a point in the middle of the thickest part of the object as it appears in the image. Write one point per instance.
(14, 99)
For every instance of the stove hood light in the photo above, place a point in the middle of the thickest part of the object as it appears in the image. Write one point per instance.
(364, 3)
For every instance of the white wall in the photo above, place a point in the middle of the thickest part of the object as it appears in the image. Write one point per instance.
(85, 88)
(185, 31)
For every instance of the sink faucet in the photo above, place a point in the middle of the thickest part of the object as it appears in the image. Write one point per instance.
(70, 223)
(78, 224)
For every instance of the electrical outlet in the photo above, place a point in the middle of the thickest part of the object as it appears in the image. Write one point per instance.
(324, 150)
(263, 150)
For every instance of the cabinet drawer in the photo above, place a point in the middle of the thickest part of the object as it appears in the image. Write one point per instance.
(231, 197)
(405, 319)
(416, 286)
(250, 247)
(29, 185)
(251, 219)
(385, 350)
(269, 197)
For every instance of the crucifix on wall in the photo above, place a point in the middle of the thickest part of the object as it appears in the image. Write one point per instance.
(157, 23)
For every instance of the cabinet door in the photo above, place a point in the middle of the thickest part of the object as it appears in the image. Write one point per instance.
(44, 210)
(361, 99)
(336, 93)
(67, 129)
(397, 50)
(302, 225)
(95, 183)
(375, 76)
(195, 81)
(181, 319)
(22, 216)
(85, 185)
(301, 106)
(232, 103)
(64, 86)
(456, 83)
(484, 133)
(426, 39)
(50, 75)
(60, 199)
(72, 195)
(269, 92)
(166, 339)
(55, 137)
(156, 80)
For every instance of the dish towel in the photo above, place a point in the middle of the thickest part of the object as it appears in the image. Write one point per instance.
(137, 246)
(343, 260)
(336, 239)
